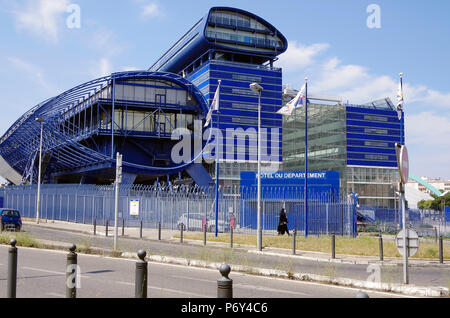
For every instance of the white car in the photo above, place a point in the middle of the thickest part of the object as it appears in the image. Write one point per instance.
(195, 222)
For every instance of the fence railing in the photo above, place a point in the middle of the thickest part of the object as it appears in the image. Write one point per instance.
(428, 223)
(192, 207)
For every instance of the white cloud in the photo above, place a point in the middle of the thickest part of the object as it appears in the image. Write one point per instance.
(428, 96)
(151, 10)
(42, 17)
(428, 128)
(299, 56)
(101, 68)
(105, 41)
(32, 72)
(428, 143)
(130, 68)
(334, 76)
(355, 83)
(427, 110)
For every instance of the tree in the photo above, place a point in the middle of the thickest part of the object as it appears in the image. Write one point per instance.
(424, 204)
(441, 201)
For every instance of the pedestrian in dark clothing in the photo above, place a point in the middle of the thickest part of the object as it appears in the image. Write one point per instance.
(282, 223)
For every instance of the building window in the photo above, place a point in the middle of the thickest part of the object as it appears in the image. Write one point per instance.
(375, 131)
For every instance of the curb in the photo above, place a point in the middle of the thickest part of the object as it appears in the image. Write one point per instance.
(434, 264)
(344, 261)
(410, 290)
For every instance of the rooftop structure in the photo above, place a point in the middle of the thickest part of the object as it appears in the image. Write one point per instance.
(238, 48)
(133, 113)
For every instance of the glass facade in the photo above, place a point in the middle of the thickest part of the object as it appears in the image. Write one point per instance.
(357, 141)
(241, 30)
(327, 148)
(147, 107)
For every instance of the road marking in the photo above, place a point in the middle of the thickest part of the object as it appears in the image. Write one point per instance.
(167, 290)
(43, 270)
(267, 289)
(50, 272)
(56, 295)
(215, 270)
(196, 279)
(178, 292)
(243, 286)
(125, 283)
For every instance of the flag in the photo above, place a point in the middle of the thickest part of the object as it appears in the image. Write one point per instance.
(298, 101)
(214, 106)
(400, 100)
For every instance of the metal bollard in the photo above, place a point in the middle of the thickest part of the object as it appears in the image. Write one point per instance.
(333, 246)
(381, 247)
(123, 227)
(231, 237)
(361, 294)
(12, 270)
(140, 230)
(141, 276)
(225, 284)
(106, 231)
(95, 226)
(181, 232)
(159, 231)
(441, 250)
(204, 234)
(294, 237)
(71, 273)
(260, 246)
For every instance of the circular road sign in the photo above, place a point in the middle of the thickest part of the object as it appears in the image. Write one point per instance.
(412, 242)
(404, 164)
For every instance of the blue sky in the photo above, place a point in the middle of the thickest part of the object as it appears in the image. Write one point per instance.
(329, 41)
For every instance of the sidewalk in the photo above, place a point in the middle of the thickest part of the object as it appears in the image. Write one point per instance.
(169, 235)
(275, 253)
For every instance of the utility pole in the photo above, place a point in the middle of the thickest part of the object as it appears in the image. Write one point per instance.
(116, 203)
(258, 89)
(38, 204)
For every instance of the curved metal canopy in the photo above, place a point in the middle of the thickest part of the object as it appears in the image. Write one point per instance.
(19, 146)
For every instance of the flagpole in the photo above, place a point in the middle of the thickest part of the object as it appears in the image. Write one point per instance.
(402, 194)
(401, 143)
(306, 158)
(217, 166)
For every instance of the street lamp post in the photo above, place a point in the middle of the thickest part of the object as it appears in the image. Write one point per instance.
(39, 173)
(258, 89)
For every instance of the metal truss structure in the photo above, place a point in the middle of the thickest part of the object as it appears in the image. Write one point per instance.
(78, 137)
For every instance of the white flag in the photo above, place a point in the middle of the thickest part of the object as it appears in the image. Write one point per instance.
(298, 101)
(214, 106)
(400, 101)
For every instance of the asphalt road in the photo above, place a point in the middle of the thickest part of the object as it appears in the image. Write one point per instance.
(41, 274)
(422, 276)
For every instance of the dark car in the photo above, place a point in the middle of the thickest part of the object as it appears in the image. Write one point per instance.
(10, 220)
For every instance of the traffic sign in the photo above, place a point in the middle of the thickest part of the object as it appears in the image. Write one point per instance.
(119, 168)
(412, 242)
(403, 162)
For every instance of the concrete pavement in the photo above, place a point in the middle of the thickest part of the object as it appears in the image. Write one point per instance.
(300, 269)
(41, 274)
(169, 235)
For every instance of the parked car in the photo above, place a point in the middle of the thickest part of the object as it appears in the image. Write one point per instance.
(10, 220)
(196, 221)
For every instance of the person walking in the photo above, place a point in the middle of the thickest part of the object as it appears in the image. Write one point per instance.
(282, 223)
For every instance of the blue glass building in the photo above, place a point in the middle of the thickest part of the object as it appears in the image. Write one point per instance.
(356, 140)
(238, 48)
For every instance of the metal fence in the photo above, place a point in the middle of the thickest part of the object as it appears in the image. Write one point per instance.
(183, 205)
(428, 223)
